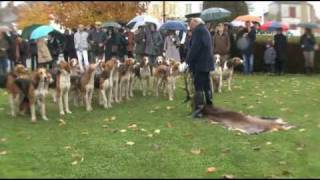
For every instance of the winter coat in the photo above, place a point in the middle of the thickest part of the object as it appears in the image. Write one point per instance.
(153, 43)
(280, 45)
(130, 39)
(4, 45)
(270, 56)
(221, 43)
(251, 37)
(81, 41)
(44, 55)
(170, 47)
(53, 46)
(200, 57)
(33, 50)
(307, 43)
(139, 40)
(24, 51)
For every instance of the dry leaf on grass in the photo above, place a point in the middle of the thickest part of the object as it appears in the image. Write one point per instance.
(250, 107)
(67, 147)
(302, 130)
(196, 151)
(104, 126)
(152, 111)
(123, 130)
(113, 118)
(306, 115)
(132, 126)
(150, 135)
(130, 143)
(211, 169)
(3, 152)
(169, 107)
(3, 139)
(85, 132)
(106, 120)
(74, 163)
(168, 125)
(242, 97)
(62, 122)
(1, 109)
(268, 143)
(157, 131)
(282, 162)
(143, 130)
(228, 176)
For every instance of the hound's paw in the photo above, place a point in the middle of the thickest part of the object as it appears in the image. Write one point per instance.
(33, 120)
(45, 118)
(69, 112)
(62, 113)
(170, 99)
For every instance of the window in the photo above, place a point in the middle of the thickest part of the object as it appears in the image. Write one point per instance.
(188, 8)
(293, 26)
(292, 12)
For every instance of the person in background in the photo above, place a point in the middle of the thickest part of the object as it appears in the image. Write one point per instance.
(280, 45)
(13, 51)
(140, 43)
(97, 39)
(23, 51)
(308, 45)
(187, 43)
(199, 59)
(154, 42)
(44, 55)
(54, 49)
(230, 31)
(81, 46)
(115, 43)
(33, 52)
(123, 43)
(248, 35)
(221, 43)
(270, 57)
(171, 46)
(108, 44)
(69, 51)
(4, 46)
(130, 38)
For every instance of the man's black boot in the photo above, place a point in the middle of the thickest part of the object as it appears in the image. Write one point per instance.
(199, 104)
(208, 95)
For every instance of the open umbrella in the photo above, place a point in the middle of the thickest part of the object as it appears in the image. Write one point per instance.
(41, 31)
(111, 24)
(142, 20)
(26, 33)
(174, 25)
(212, 14)
(309, 25)
(248, 18)
(273, 25)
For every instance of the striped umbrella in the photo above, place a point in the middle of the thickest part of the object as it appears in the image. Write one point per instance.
(274, 25)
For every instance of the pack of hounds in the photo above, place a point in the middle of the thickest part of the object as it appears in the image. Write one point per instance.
(113, 80)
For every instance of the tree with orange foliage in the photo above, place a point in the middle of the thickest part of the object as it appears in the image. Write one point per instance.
(71, 13)
(35, 13)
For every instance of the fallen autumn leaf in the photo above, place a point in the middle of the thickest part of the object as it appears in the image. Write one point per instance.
(211, 169)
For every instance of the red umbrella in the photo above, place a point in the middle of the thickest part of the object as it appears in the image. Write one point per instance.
(274, 25)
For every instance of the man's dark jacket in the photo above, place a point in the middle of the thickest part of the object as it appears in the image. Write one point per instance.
(200, 54)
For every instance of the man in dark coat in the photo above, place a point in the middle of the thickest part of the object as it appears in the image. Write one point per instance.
(97, 39)
(280, 45)
(69, 50)
(200, 61)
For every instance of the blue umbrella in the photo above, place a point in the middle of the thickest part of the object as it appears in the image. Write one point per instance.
(174, 25)
(41, 31)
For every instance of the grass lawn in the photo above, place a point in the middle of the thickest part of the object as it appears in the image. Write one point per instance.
(93, 145)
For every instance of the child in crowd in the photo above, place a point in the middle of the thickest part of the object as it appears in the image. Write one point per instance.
(270, 57)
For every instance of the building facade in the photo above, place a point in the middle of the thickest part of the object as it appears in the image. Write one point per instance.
(173, 9)
(292, 13)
